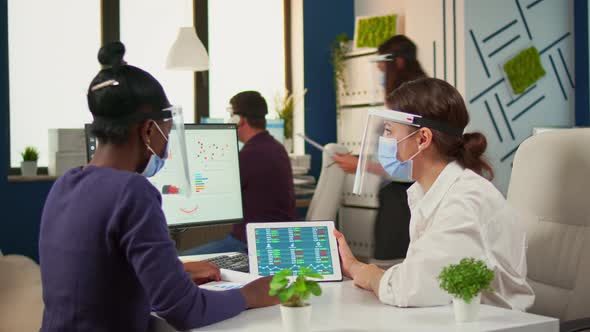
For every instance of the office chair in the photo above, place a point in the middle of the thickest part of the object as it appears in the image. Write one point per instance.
(328, 193)
(21, 298)
(550, 185)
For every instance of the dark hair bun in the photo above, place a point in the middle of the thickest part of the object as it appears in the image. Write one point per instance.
(475, 144)
(112, 54)
(471, 154)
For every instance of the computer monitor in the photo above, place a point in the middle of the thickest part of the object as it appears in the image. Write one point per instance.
(216, 195)
(275, 127)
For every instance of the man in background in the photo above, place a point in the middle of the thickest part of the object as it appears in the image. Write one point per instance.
(265, 171)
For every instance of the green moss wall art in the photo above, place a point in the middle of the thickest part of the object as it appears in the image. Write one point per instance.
(373, 31)
(524, 70)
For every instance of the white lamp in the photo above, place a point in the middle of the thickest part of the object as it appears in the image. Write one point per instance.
(188, 52)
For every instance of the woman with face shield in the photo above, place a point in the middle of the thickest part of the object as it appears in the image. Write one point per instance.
(455, 211)
(397, 63)
(106, 256)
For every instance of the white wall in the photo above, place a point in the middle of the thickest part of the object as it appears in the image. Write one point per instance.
(379, 7)
(547, 21)
(428, 24)
(297, 70)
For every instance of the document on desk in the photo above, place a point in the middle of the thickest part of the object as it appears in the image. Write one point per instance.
(230, 280)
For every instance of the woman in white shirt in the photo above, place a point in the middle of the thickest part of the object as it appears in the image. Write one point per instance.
(455, 211)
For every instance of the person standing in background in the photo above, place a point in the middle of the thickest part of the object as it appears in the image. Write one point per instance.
(397, 63)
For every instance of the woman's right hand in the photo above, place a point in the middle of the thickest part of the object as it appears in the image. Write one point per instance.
(346, 162)
(256, 294)
(349, 263)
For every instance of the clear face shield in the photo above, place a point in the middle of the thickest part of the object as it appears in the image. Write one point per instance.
(232, 117)
(386, 133)
(378, 75)
(174, 178)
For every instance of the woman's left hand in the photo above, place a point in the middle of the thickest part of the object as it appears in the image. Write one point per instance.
(368, 277)
(349, 263)
(202, 272)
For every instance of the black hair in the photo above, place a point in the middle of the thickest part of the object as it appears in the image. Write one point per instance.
(119, 91)
(400, 46)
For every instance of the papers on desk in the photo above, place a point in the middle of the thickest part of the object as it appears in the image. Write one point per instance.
(235, 276)
(221, 285)
(230, 280)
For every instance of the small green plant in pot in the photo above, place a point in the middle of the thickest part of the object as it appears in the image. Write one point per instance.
(285, 109)
(293, 292)
(29, 164)
(465, 282)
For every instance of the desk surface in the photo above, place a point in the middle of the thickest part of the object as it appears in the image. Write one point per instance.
(343, 307)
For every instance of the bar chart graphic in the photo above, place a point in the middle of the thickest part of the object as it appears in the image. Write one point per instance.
(200, 182)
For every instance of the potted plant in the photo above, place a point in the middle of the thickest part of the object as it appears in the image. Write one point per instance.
(284, 107)
(465, 282)
(28, 166)
(340, 47)
(293, 292)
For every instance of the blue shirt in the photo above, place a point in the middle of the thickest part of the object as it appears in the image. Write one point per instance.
(107, 259)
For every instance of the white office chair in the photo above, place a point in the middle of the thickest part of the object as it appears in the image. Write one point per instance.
(551, 183)
(21, 298)
(328, 193)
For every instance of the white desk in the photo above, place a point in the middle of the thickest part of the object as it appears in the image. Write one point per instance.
(345, 308)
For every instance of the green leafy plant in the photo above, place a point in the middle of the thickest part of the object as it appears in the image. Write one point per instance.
(524, 70)
(284, 107)
(466, 279)
(295, 293)
(339, 49)
(373, 31)
(30, 154)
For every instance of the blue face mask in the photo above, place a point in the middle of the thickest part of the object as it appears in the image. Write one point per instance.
(156, 163)
(382, 79)
(387, 154)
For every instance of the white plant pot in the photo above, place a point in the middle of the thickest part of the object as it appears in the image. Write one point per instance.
(296, 319)
(466, 312)
(28, 168)
(288, 144)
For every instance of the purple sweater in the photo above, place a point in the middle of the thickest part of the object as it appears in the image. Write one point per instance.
(107, 259)
(267, 183)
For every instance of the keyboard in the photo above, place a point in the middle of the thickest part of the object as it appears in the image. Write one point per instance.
(237, 262)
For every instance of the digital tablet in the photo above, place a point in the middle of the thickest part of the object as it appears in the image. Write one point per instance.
(273, 247)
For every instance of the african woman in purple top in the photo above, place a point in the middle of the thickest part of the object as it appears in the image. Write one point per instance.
(107, 260)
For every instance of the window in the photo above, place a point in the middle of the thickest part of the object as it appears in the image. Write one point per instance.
(148, 29)
(52, 59)
(246, 51)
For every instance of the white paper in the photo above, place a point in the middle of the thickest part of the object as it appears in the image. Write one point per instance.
(239, 277)
(221, 285)
(230, 280)
(315, 144)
